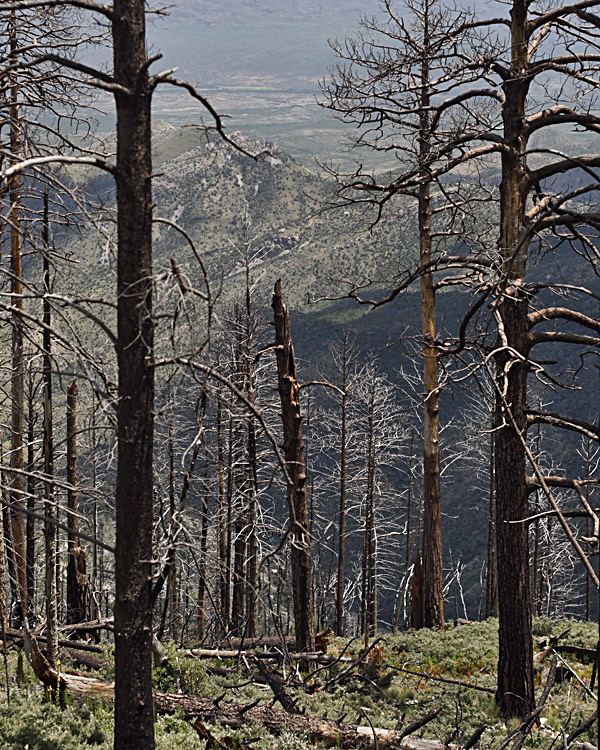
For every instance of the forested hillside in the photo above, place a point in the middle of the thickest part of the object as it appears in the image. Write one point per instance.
(289, 418)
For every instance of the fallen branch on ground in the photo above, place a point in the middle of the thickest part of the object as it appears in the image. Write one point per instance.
(204, 653)
(226, 713)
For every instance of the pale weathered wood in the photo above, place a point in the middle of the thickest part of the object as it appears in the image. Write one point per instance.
(208, 653)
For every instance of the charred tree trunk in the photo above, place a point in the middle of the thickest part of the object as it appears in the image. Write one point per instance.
(8, 540)
(202, 561)
(433, 584)
(252, 575)
(31, 488)
(490, 580)
(515, 696)
(78, 582)
(49, 498)
(416, 594)
(296, 479)
(17, 376)
(222, 511)
(172, 553)
(339, 621)
(134, 717)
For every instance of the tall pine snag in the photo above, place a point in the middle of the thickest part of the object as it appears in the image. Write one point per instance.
(293, 446)
(134, 720)
(538, 61)
(78, 584)
(392, 84)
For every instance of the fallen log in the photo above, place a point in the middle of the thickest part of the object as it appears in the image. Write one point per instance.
(83, 659)
(89, 687)
(324, 731)
(277, 687)
(226, 713)
(209, 653)
(89, 627)
(16, 638)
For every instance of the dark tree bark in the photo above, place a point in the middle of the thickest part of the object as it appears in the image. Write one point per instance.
(490, 579)
(222, 511)
(31, 488)
(433, 579)
(172, 552)
(416, 594)
(78, 582)
(134, 720)
(515, 694)
(18, 372)
(203, 547)
(50, 587)
(296, 484)
(339, 620)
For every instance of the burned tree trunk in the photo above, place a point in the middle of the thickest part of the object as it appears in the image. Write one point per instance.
(17, 375)
(78, 584)
(296, 477)
(31, 486)
(339, 607)
(48, 449)
(134, 715)
(515, 695)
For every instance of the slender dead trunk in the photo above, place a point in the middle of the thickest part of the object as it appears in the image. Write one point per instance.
(238, 496)
(8, 539)
(95, 577)
(78, 581)
(222, 511)
(18, 376)
(49, 489)
(31, 489)
(3, 602)
(490, 579)
(339, 622)
(134, 716)
(229, 524)
(252, 574)
(252, 579)
(369, 552)
(172, 556)
(296, 481)
(203, 548)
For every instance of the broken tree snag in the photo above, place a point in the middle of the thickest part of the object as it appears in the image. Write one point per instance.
(293, 446)
(78, 584)
(77, 684)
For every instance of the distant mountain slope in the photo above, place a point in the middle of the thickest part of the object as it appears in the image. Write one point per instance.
(221, 198)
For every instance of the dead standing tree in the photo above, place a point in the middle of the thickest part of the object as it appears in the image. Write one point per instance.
(518, 56)
(539, 62)
(296, 477)
(78, 586)
(132, 86)
(389, 83)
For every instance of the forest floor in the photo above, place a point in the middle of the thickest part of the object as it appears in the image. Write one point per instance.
(404, 677)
